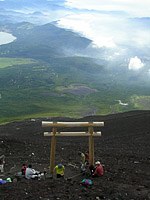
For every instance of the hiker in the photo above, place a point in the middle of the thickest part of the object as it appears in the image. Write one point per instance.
(2, 162)
(86, 158)
(31, 173)
(99, 170)
(92, 169)
(82, 155)
(23, 169)
(59, 170)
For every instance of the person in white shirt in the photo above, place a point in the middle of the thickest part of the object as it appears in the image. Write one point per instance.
(31, 173)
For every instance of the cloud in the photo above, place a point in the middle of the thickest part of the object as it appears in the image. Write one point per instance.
(92, 25)
(135, 64)
(138, 8)
(86, 24)
(117, 34)
(107, 30)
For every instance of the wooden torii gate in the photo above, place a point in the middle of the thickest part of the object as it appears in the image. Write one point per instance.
(54, 134)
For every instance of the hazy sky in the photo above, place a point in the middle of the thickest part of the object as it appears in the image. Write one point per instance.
(138, 8)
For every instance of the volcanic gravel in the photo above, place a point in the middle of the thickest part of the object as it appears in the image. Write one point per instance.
(123, 149)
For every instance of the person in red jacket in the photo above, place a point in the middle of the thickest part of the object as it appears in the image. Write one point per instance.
(23, 169)
(99, 170)
(86, 158)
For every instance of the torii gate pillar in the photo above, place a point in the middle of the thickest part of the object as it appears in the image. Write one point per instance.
(91, 146)
(53, 150)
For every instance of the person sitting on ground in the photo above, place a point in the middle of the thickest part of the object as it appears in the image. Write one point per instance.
(2, 162)
(23, 169)
(92, 169)
(99, 170)
(59, 170)
(31, 173)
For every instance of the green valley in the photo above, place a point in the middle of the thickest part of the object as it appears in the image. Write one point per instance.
(7, 62)
(37, 79)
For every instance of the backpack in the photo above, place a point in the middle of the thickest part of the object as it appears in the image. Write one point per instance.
(86, 182)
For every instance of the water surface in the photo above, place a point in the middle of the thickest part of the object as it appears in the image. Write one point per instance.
(6, 38)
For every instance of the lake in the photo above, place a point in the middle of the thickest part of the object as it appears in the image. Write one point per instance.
(6, 38)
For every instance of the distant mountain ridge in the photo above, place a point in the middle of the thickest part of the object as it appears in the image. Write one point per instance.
(32, 11)
(40, 36)
(35, 68)
(23, 4)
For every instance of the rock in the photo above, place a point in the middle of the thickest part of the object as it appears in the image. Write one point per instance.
(48, 176)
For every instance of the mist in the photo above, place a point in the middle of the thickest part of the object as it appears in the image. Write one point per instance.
(119, 30)
(114, 39)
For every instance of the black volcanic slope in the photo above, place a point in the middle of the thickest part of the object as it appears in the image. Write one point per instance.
(123, 149)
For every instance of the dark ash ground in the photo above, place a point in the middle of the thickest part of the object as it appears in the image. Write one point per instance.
(123, 149)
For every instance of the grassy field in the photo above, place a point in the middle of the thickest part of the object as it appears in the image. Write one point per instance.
(141, 102)
(35, 102)
(30, 89)
(7, 62)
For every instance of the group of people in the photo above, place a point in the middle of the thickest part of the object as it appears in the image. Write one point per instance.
(95, 171)
(29, 172)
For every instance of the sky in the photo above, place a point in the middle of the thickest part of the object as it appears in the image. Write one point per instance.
(134, 8)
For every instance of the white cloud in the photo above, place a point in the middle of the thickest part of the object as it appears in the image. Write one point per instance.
(91, 26)
(135, 64)
(138, 8)
(107, 30)
(117, 54)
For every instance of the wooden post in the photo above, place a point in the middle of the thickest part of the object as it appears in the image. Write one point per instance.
(72, 124)
(91, 146)
(61, 134)
(53, 149)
